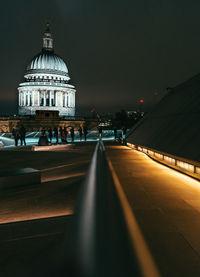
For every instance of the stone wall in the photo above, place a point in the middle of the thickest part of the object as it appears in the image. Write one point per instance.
(37, 124)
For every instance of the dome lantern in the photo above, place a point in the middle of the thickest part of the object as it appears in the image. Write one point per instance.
(47, 39)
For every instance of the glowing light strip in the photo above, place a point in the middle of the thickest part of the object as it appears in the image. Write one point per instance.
(176, 163)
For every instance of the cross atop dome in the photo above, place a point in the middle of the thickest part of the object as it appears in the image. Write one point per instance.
(47, 27)
(47, 39)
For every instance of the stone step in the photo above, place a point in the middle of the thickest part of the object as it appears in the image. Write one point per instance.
(19, 177)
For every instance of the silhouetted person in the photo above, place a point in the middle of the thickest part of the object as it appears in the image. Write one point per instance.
(22, 133)
(43, 140)
(80, 133)
(43, 132)
(72, 133)
(63, 136)
(124, 134)
(50, 134)
(100, 132)
(55, 130)
(60, 131)
(66, 133)
(15, 134)
(85, 131)
(115, 133)
(124, 131)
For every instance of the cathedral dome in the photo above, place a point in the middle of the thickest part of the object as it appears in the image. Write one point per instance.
(46, 83)
(47, 62)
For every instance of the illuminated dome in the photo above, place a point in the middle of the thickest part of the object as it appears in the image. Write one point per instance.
(46, 83)
(48, 62)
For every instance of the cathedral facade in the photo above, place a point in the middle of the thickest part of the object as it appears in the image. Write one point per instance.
(46, 83)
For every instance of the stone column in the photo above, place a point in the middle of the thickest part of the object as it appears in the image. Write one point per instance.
(38, 98)
(33, 98)
(62, 100)
(65, 99)
(25, 98)
(56, 100)
(44, 104)
(20, 98)
(70, 100)
(50, 98)
(28, 104)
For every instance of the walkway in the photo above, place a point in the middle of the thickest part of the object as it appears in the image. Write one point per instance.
(166, 204)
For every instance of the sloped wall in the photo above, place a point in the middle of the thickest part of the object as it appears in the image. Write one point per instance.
(174, 124)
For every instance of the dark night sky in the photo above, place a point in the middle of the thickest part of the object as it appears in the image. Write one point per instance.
(116, 51)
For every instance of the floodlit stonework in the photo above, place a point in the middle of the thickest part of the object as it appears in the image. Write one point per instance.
(46, 85)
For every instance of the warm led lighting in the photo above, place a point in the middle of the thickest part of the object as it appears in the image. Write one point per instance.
(130, 145)
(150, 152)
(185, 165)
(198, 170)
(189, 181)
(169, 160)
(159, 156)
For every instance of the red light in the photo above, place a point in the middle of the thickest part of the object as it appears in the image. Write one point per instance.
(141, 101)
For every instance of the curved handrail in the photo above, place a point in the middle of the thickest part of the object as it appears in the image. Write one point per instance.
(99, 243)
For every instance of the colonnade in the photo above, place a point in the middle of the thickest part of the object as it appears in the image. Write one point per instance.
(46, 98)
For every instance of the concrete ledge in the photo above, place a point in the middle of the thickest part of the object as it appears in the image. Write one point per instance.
(51, 147)
(19, 177)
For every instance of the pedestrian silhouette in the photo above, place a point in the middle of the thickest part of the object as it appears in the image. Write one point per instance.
(55, 130)
(43, 140)
(85, 131)
(72, 133)
(50, 134)
(60, 131)
(15, 134)
(80, 133)
(66, 133)
(115, 133)
(100, 132)
(22, 133)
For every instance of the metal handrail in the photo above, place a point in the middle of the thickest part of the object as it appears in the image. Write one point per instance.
(100, 243)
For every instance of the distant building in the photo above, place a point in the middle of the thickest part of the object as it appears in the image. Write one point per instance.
(46, 85)
(134, 114)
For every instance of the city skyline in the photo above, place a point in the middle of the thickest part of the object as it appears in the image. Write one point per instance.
(117, 53)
